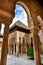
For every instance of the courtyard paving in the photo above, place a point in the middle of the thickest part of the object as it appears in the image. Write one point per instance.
(21, 60)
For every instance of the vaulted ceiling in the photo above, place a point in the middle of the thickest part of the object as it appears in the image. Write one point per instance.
(6, 4)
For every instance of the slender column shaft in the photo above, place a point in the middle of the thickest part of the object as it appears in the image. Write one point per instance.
(5, 45)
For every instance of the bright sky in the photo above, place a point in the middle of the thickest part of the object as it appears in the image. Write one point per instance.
(20, 14)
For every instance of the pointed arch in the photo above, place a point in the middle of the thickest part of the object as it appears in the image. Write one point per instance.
(26, 9)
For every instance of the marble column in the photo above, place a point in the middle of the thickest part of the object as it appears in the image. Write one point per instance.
(35, 30)
(5, 45)
(27, 41)
(36, 45)
(36, 49)
(20, 45)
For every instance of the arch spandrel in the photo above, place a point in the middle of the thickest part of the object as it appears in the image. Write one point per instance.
(32, 10)
(7, 5)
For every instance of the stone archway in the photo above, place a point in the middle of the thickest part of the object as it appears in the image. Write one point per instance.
(28, 16)
(37, 56)
(26, 9)
(35, 35)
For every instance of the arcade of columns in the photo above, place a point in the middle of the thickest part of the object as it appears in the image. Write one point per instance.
(19, 47)
(6, 15)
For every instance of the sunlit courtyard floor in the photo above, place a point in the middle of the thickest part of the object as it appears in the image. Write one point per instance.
(21, 60)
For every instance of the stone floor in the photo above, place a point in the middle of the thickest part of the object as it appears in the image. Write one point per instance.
(21, 60)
